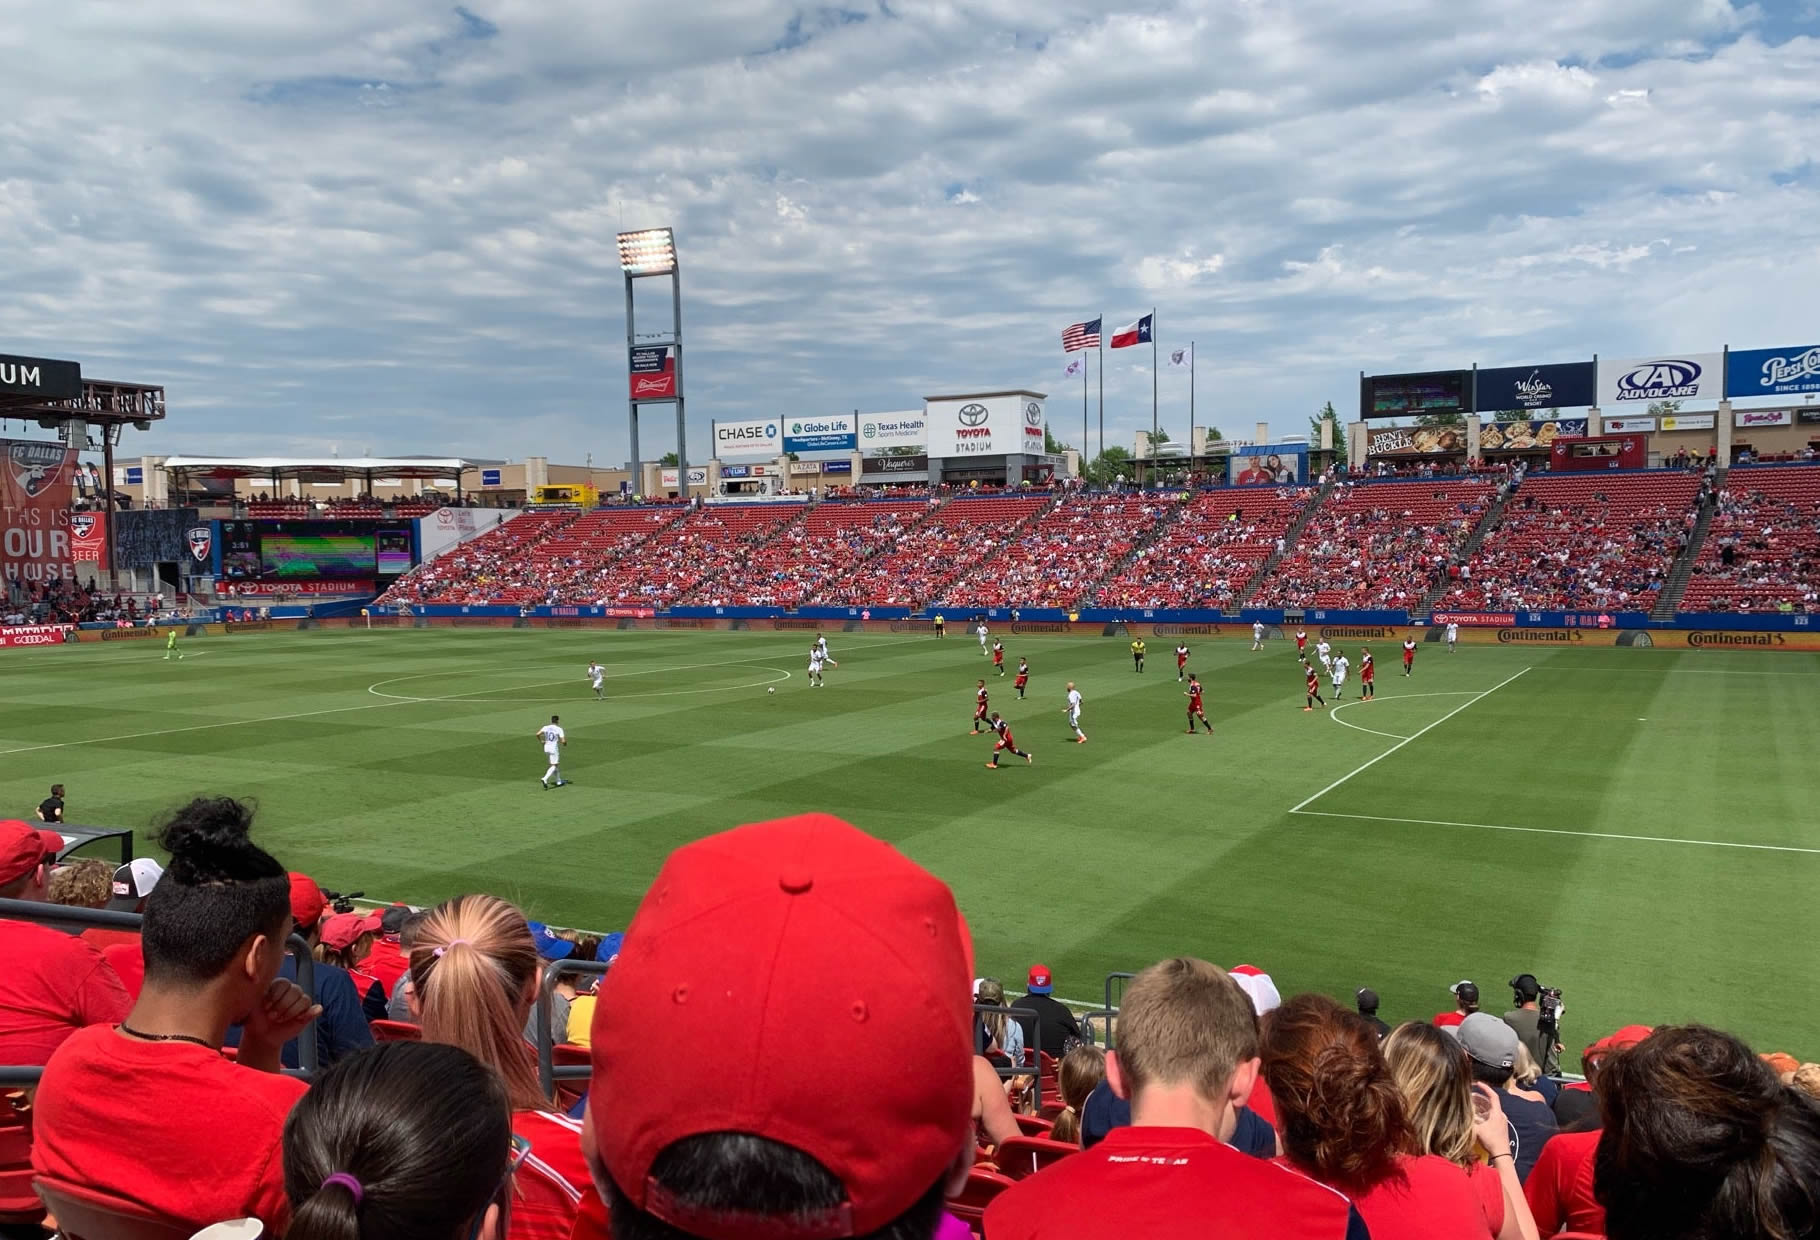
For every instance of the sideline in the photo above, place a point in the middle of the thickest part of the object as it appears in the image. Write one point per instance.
(1590, 835)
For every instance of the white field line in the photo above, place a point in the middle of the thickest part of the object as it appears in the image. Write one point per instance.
(338, 710)
(1334, 712)
(1420, 732)
(1590, 835)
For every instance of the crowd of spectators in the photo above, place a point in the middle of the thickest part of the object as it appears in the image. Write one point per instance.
(927, 557)
(1056, 561)
(484, 567)
(706, 545)
(757, 1068)
(1378, 545)
(70, 602)
(1208, 554)
(1573, 543)
(800, 564)
(1762, 549)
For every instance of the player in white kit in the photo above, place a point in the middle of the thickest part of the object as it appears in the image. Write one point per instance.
(553, 738)
(1453, 635)
(1324, 653)
(1257, 635)
(982, 631)
(1339, 677)
(597, 675)
(815, 666)
(821, 644)
(1074, 714)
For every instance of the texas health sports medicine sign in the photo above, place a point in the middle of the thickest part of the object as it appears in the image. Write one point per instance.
(1773, 372)
(835, 433)
(893, 430)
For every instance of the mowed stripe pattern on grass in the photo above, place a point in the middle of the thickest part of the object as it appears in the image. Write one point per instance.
(1142, 843)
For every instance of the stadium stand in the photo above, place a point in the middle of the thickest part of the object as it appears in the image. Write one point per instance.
(795, 565)
(1378, 544)
(1568, 542)
(704, 545)
(1762, 550)
(1209, 553)
(472, 572)
(1056, 561)
(930, 555)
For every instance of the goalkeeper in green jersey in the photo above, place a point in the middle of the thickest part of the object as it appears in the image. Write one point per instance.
(170, 646)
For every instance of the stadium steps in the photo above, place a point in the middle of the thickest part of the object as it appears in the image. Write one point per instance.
(690, 598)
(984, 567)
(1494, 513)
(1669, 599)
(1290, 536)
(1157, 530)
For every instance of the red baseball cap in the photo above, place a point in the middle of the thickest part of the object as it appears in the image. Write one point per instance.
(340, 931)
(23, 848)
(1039, 982)
(306, 901)
(1623, 1039)
(824, 975)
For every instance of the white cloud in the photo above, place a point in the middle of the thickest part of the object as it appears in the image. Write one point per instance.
(383, 210)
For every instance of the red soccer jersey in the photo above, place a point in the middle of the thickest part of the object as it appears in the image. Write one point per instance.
(1181, 655)
(998, 657)
(1426, 1198)
(51, 985)
(1560, 1187)
(1023, 678)
(1365, 670)
(1409, 652)
(1167, 1184)
(1194, 700)
(1314, 680)
(1004, 736)
(553, 1180)
(168, 1126)
(980, 707)
(1301, 640)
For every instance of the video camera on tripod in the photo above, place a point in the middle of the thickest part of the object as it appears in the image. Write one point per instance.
(340, 903)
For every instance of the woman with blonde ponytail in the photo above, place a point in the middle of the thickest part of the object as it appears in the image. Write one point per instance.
(1082, 1070)
(474, 977)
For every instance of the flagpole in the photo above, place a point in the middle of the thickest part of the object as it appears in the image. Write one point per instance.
(1153, 425)
(1084, 440)
(1191, 405)
(1102, 384)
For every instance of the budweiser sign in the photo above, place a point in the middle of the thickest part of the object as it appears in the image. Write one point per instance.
(652, 372)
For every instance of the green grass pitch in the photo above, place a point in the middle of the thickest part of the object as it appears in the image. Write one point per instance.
(1636, 827)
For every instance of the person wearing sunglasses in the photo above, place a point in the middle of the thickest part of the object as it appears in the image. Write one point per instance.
(406, 1141)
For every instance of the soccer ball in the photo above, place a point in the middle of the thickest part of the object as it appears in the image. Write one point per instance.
(772, 689)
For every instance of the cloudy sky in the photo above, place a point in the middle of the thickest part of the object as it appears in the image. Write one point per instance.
(387, 225)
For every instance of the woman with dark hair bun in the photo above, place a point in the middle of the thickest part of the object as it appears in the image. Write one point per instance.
(1701, 1141)
(1343, 1121)
(406, 1141)
(148, 1110)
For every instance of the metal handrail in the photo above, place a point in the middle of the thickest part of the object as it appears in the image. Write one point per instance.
(542, 1035)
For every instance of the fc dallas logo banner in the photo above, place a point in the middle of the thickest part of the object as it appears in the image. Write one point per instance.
(653, 372)
(88, 538)
(34, 511)
(200, 537)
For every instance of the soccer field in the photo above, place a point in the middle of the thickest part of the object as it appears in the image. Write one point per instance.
(1633, 826)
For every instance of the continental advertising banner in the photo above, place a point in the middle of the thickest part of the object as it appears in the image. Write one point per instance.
(1773, 372)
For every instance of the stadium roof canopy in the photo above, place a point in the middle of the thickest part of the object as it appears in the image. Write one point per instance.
(317, 469)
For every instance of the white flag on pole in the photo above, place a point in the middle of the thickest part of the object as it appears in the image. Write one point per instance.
(1180, 359)
(1076, 366)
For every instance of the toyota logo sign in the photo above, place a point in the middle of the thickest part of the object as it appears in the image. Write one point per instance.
(973, 415)
(1033, 414)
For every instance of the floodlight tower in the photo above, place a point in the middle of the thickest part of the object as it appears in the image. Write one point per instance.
(655, 358)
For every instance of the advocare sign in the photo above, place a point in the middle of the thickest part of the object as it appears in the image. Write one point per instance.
(1633, 383)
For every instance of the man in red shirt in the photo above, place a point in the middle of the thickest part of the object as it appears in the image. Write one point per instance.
(1409, 654)
(841, 1098)
(1004, 742)
(148, 1111)
(1023, 676)
(1195, 711)
(388, 960)
(1466, 996)
(1187, 1060)
(133, 882)
(1368, 675)
(1301, 642)
(51, 983)
(979, 708)
(1313, 679)
(998, 657)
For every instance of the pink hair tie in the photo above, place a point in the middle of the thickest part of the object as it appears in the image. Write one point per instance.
(451, 943)
(346, 1181)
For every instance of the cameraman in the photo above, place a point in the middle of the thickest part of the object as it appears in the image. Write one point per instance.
(1539, 1030)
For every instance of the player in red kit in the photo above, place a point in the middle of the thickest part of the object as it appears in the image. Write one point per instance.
(979, 708)
(1301, 643)
(1409, 654)
(1181, 661)
(1023, 676)
(1367, 675)
(998, 657)
(1314, 686)
(1005, 742)
(1195, 712)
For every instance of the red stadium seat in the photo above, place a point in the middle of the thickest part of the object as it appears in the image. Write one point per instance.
(19, 1205)
(969, 1205)
(1023, 1156)
(396, 1031)
(80, 1213)
(1034, 1127)
(1207, 554)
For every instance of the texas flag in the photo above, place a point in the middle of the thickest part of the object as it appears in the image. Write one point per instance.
(1132, 333)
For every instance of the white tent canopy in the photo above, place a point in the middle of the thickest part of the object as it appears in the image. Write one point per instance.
(315, 468)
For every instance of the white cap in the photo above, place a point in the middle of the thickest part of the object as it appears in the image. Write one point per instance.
(1258, 988)
(133, 882)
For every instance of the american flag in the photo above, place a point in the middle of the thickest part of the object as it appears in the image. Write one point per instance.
(1078, 336)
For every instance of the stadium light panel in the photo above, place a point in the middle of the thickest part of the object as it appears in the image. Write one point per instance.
(648, 252)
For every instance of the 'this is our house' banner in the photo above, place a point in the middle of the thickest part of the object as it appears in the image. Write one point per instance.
(34, 511)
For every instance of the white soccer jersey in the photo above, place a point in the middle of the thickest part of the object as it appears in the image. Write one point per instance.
(596, 673)
(1323, 649)
(552, 736)
(1339, 670)
(1074, 703)
(815, 663)
(821, 646)
(1257, 632)
(1453, 632)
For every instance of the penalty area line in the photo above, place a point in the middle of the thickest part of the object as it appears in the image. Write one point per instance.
(1589, 835)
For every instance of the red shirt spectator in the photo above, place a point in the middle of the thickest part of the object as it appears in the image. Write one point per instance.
(128, 962)
(129, 1115)
(52, 983)
(1560, 1186)
(1165, 1184)
(1427, 1198)
(388, 961)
